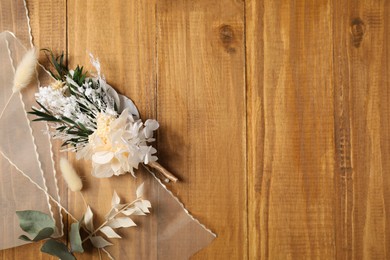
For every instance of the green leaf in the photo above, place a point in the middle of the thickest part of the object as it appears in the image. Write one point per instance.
(58, 249)
(43, 234)
(25, 238)
(58, 63)
(45, 119)
(43, 107)
(75, 239)
(37, 224)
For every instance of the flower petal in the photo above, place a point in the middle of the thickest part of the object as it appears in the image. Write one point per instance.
(102, 157)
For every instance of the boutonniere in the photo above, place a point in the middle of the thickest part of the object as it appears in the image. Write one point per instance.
(99, 125)
(96, 122)
(102, 126)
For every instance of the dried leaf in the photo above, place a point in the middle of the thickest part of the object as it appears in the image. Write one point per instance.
(88, 219)
(99, 242)
(126, 103)
(133, 211)
(142, 206)
(109, 232)
(121, 222)
(110, 214)
(140, 190)
(147, 203)
(115, 199)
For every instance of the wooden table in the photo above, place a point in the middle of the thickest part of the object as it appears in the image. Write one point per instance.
(275, 115)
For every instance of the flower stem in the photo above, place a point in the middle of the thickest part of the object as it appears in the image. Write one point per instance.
(85, 202)
(100, 254)
(163, 171)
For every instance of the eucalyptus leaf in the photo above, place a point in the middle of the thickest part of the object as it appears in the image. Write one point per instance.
(43, 234)
(37, 224)
(58, 249)
(25, 238)
(75, 239)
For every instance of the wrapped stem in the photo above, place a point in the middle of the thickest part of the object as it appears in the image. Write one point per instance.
(163, 171)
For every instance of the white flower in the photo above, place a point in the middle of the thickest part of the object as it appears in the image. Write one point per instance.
(54, 100)
(119, 144)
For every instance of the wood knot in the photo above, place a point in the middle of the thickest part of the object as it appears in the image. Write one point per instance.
(226, 35)
(357, 30)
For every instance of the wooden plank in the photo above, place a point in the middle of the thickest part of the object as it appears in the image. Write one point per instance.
(258, 187)
(317, 116)
(201, 109)
(362, 54)
(48, 25)
(122, 35)
(13, 18)
(343, 160)
(291, 130)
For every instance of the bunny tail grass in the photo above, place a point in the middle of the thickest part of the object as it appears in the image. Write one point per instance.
(70, 176)
(25, 71)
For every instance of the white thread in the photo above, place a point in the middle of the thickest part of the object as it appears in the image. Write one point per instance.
(28, 23)
(11, 60)
(55, 178)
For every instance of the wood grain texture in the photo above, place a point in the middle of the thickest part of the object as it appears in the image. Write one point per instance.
(290, 130)
(274, 115)
(13, 19)
(362, 67)
(201, 109)
(258, 187)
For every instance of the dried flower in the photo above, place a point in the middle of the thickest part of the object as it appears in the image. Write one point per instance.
(70, 176)
(58, 84)
(99, 124)
(25, 71)
(119, 145)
